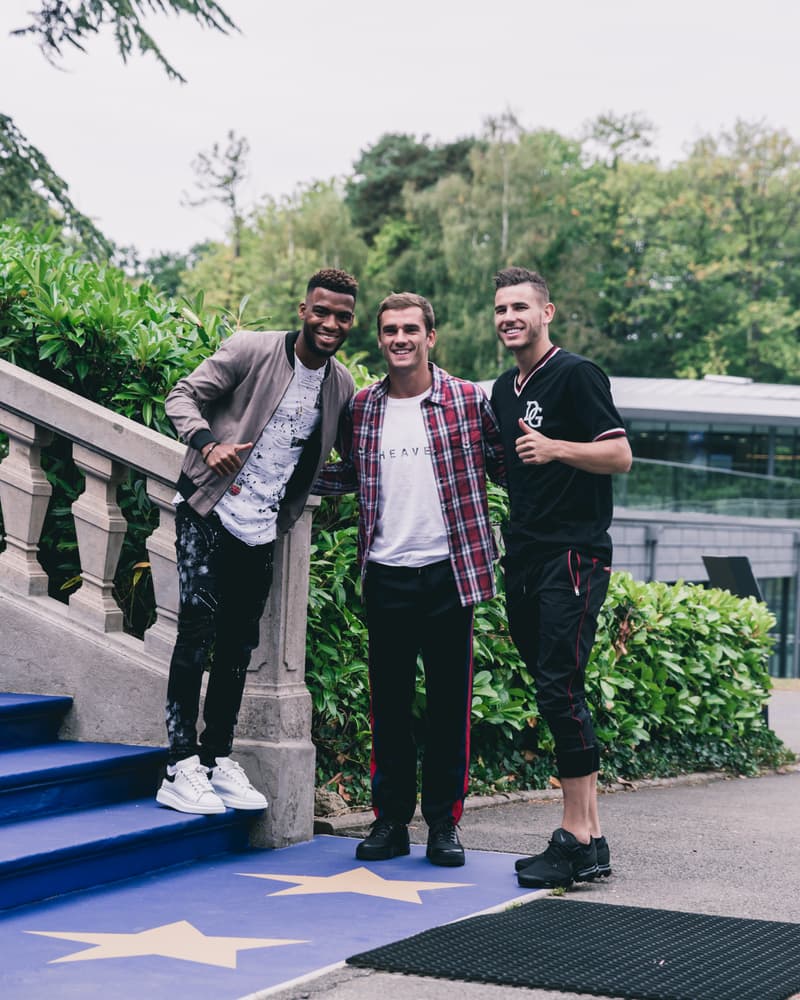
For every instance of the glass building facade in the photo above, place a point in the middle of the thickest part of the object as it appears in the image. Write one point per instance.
(747, 449)
(750, 448)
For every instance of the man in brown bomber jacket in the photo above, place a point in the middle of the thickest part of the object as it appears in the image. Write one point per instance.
(260, 417)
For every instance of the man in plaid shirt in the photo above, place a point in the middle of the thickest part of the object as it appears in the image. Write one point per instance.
(417, 448)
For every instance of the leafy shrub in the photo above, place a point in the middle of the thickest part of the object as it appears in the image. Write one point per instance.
(86, 327)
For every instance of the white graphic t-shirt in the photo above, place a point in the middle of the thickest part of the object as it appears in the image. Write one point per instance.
(249, 509)
(410, 529)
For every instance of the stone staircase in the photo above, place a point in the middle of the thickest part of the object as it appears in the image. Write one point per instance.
(75, 815)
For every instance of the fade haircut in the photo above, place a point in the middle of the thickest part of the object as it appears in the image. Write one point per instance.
(407, 300)
(522, 276)
(333, 280)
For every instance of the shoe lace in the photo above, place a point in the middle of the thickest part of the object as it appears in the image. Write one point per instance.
(380, 826)
(446, 830)
(197, 777)
(236, 773)
(554, 852)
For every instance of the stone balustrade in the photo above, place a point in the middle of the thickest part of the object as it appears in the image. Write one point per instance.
(120, 688)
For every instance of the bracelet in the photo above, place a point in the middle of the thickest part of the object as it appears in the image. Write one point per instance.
(213, 446)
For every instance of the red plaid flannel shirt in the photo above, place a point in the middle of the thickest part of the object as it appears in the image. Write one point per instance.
(465, 446)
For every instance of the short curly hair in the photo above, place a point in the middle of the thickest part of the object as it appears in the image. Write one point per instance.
(522, 276)
(334, 280)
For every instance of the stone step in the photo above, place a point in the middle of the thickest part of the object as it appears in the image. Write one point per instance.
(55, 854)
(61, 775)
(26, 719)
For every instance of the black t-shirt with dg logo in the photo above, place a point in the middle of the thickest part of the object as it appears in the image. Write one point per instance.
(555, 507)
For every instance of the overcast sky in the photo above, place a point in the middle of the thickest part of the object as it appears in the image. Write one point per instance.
(311, 84)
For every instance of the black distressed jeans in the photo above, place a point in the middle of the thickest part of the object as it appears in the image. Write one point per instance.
(223, 590)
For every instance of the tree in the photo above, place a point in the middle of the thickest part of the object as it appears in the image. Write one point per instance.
(616, 208)
(60, 23)
(382, 171)
(219, 173)
(611, 138)
(512, 207)
(30, 190)
(283, 241)
(736, 226)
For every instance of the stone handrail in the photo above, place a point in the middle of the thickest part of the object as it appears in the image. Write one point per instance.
(275, 721)
(105, 446)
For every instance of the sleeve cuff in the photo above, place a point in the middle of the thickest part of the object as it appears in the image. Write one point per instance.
(201, 439)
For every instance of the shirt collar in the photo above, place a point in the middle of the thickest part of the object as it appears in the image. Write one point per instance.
(437, 385)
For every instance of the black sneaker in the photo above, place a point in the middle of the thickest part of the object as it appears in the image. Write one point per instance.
(444, 847)
(387, 839)
(565, 861)
(603, 857)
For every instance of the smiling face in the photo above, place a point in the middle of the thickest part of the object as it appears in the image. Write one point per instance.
(327, 319)
(522, 319)
(404, 341)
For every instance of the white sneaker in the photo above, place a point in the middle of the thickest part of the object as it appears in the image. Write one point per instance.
(233, 786)
(187, 789)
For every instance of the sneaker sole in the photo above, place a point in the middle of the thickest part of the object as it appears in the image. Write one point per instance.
(381, 855)
(234, 803)
(528, 882)
(446, 862)
(165, 798)
(531, 882)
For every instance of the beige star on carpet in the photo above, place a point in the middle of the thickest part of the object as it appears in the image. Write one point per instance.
(179, 940)
(357, 880)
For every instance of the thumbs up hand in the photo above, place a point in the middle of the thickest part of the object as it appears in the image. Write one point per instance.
(534, 448)
(224, 458)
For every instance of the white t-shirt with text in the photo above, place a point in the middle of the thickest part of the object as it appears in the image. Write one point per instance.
(410, 529)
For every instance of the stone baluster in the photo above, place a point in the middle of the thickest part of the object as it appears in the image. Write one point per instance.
(160, 637)
(100, 528)
(24, 496)
(274, 733)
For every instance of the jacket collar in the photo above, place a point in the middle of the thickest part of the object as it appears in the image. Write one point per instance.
(289, 341)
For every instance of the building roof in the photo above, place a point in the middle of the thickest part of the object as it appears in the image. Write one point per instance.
(713, 399)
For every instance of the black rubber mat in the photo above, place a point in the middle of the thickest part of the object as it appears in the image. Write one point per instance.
(616, 951)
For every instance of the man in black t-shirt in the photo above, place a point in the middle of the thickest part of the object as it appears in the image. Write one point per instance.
(563, 439)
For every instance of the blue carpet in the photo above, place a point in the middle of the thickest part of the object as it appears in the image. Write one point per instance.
(225, 928)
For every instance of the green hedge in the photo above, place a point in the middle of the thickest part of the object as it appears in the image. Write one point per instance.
(678, 675)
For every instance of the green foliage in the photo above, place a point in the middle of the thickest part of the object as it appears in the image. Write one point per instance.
(678, 659)
(375, 191)
(280, 245)
(32, 193)
(87, 328)
(660, 271)
(61, 23)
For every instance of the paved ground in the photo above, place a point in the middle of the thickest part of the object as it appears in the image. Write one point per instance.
(721, 846)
